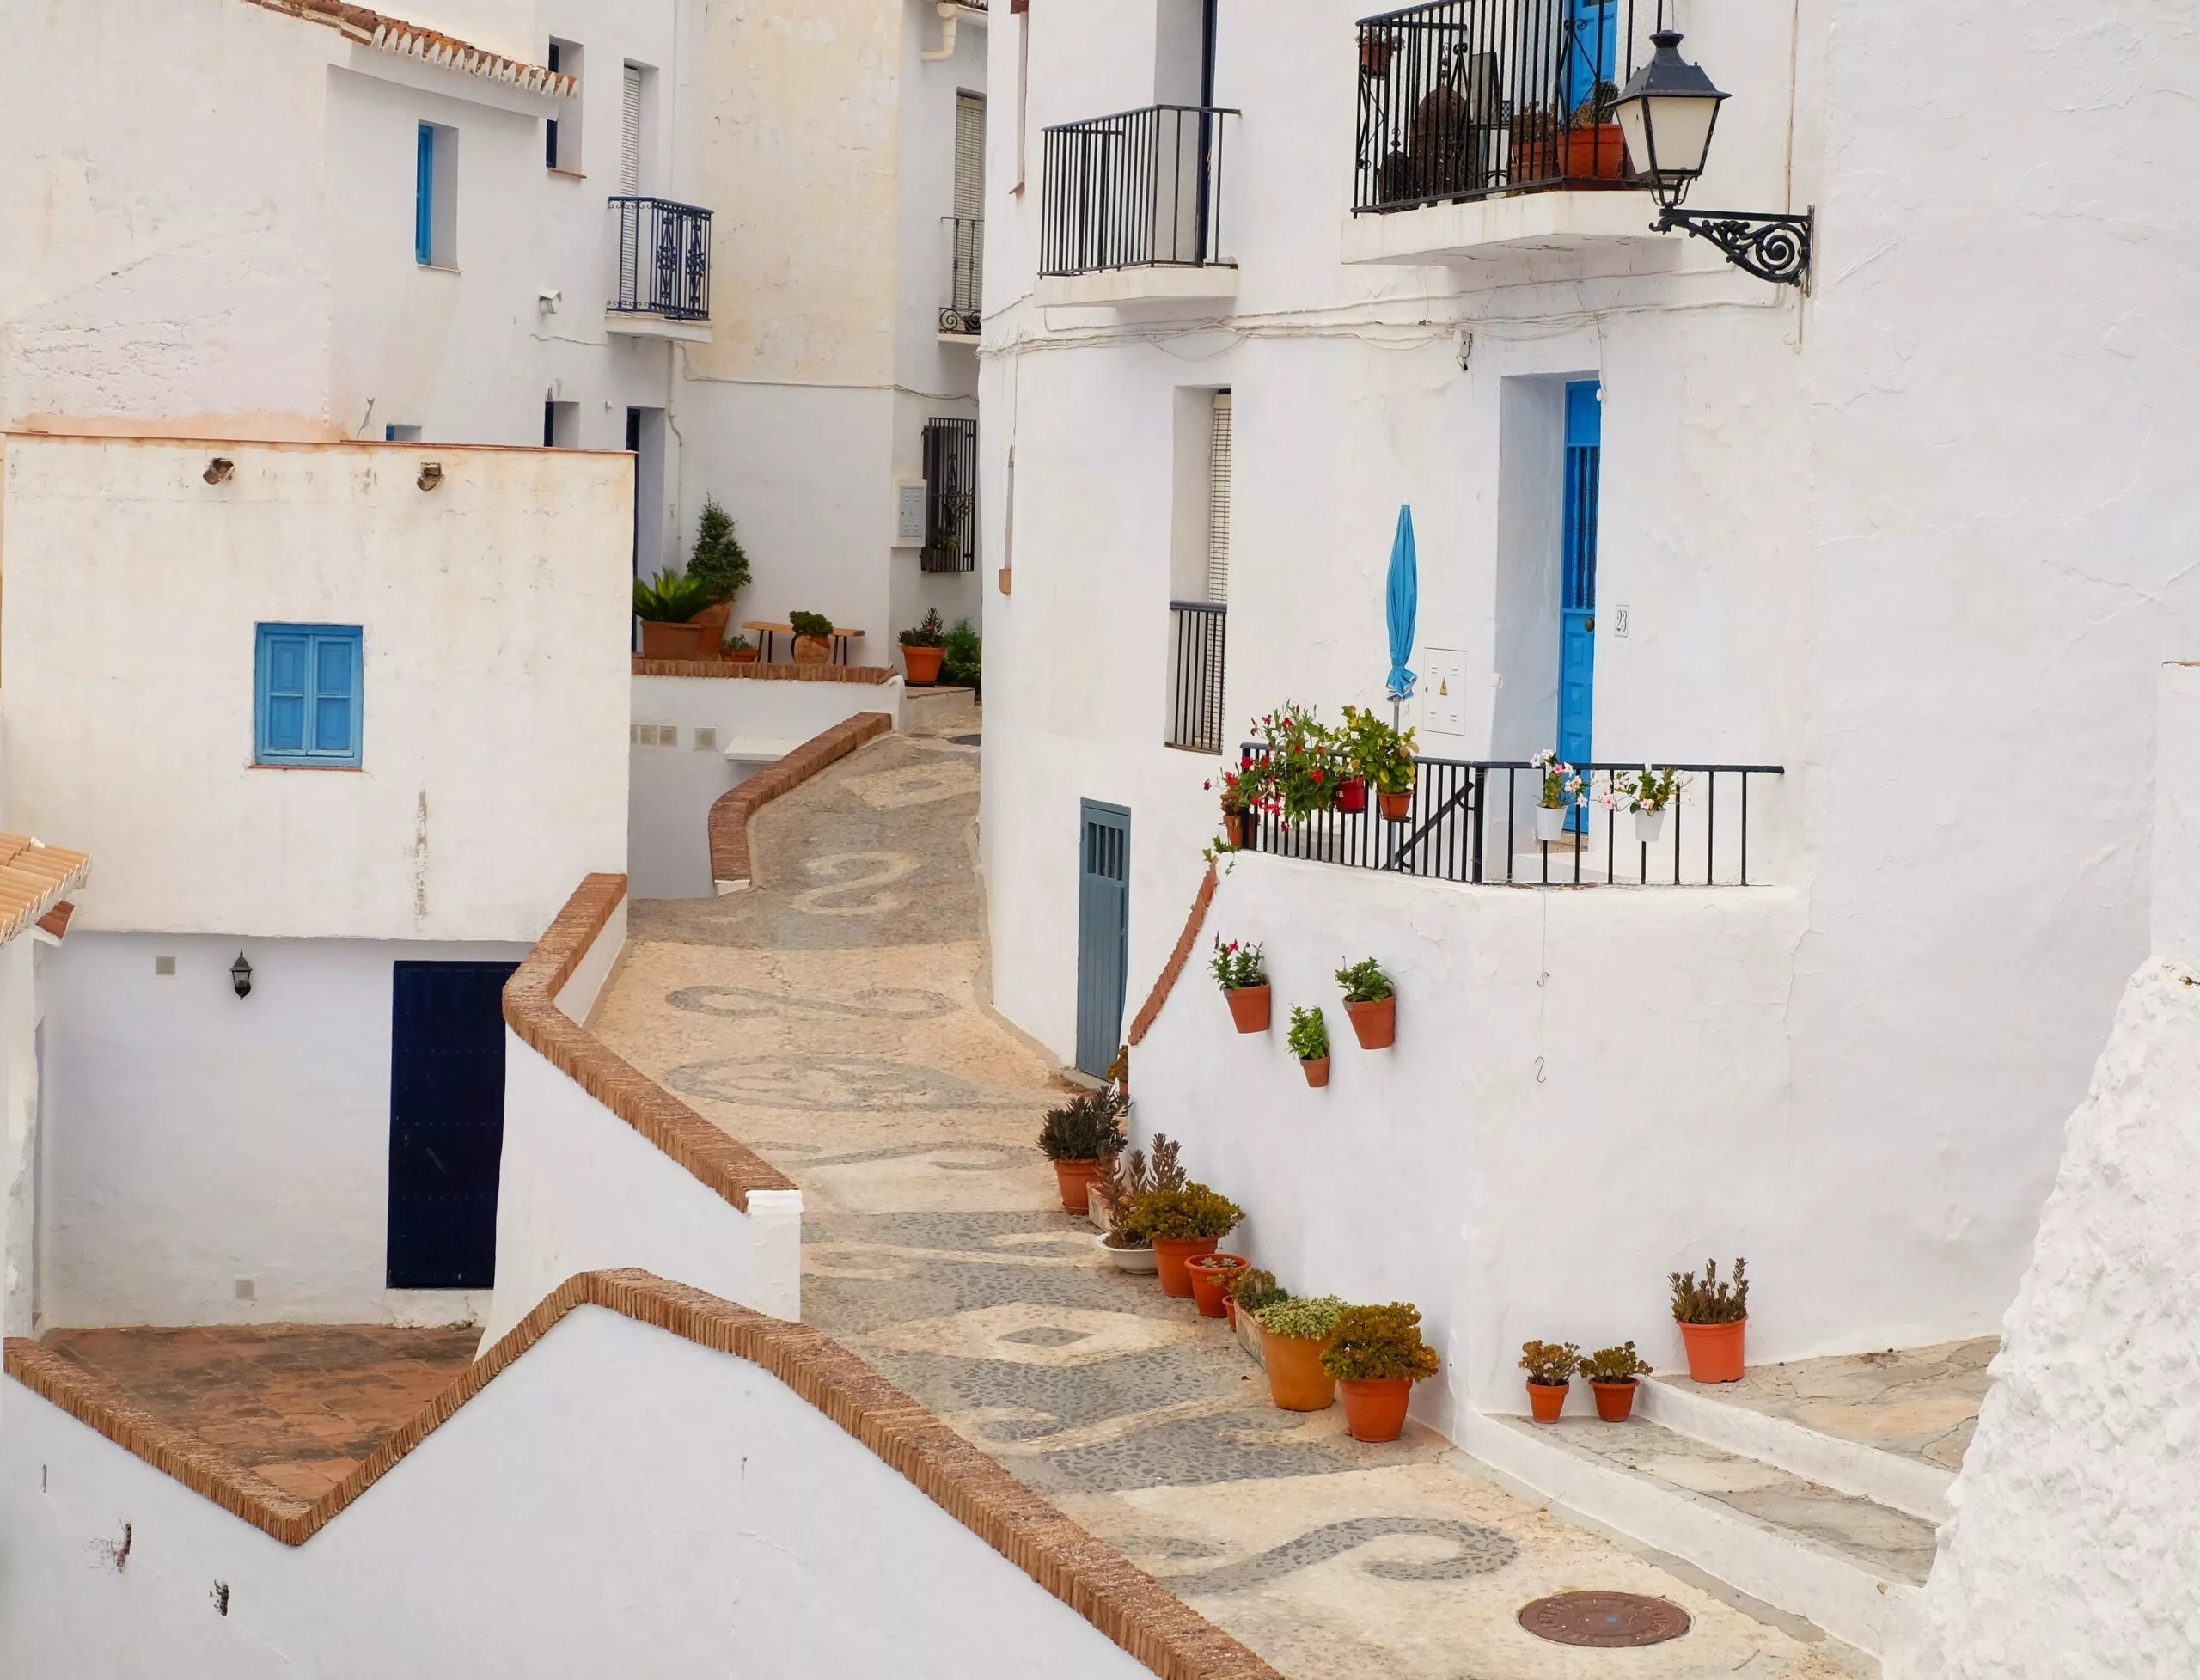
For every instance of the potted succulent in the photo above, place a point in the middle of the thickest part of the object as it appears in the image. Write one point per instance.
(1377, 1355)
(1243, 976)
(1310, 1041)
(1123, 1179)
(1381, 756)
(1211, 1274)
(1559, 797)
(1648, 793)
(1075, 1137)
(1294, 1334)
(1551, 1366)
(923, 648)
(666, 608)
(1181, 1223)
(1713, 1316)
(1371, 1003)
(813, 637)
(1248, 1289)
(1613, 1373)
(740, 649)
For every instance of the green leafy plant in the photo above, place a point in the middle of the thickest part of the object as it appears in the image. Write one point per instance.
(1237, 965)
(1562, 783)
(1312, 1320)
(1647, 789)
(1244, 787)
(1302, 765)
(1373, 1343)
(1365, 982)
(1711, 1302)
(1310, 1034)
(1613, 1364)
(1253, 1289)
(1123, 1179)
(1087, 1127)
(673, 598)
(1373, 749)
(718, 558)
(927, 634)
(1190, 1212)
(809, 624)
(961, 663)
(739, 643)
(1550, 1365)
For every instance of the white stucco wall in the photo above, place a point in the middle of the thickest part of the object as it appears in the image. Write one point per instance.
(620, 1500)
(21, 1100)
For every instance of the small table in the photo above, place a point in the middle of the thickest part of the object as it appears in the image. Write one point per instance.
(841, 638)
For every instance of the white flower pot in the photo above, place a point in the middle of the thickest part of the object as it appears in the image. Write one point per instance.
(1128, 1260)
(1551, 822)
(1648, 826)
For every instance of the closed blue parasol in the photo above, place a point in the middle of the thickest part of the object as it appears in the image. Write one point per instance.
(1402, 602)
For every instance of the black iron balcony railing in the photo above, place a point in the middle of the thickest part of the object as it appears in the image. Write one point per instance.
(663, 259)
(1195, 678)
(964, 315)
(1139, 189)
(1474, 821)
(951, 496)
(1467, 98)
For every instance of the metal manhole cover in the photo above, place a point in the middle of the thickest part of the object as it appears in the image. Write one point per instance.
(965, 740)
(1606, 1619)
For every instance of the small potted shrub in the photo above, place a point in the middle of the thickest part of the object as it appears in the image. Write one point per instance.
(1310, 1042)
(1294, 1334)
(1241, 789)
(1181, 1223)
(1613, 1373)
(1243, 976)
(1713, 1316)
(740, 649)
(1371, 1003)
(1377, 1355)
(1249, 1289)
(1559, 797)
(666, 608)
(1381, 757)
(1211, 1274)
(961, 665)
(717, 558)
(1551, 1366)
(923, 648)
(1123, 1179)
(1076, 1137)
(813, 637)
(1648, 793)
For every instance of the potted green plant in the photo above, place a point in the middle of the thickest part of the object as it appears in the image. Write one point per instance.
(923, 648)
(1075, 1137)
(1375, 50)
(1242, 788)
(740, 649)
(813, 637)
(1614, 1373)
(1211, 1274)
(1648, 793)
(1294, 1334)
(1560, 795)
(1123, 1179)
(959, 664)
(1551, 1366)
(1714, 1317)
(1310, 1041)
(719, 561)
(1243, 976)
(666, 608)
(1382, 757)
(1371, 1003)
(1181, 1223)
(1377, 1355)
(1249, 1289)
(1302, 765)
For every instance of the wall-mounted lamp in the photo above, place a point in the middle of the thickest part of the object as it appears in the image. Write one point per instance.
(1666, 112)
(431, 476)
(241, 976)
(218, 470)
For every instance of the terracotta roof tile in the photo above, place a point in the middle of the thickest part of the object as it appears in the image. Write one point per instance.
(394, 34)
(34, 879)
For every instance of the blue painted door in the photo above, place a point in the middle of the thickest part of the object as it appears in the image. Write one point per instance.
(446, 1122)
(1577, 614)
(1591, 44)
(1103, 931)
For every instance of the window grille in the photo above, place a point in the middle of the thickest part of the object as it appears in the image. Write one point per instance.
(951, 496)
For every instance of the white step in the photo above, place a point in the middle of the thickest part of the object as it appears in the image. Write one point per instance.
(1849, 1564)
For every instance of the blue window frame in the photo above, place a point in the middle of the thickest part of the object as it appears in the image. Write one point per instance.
(424, 198)
(307, 695)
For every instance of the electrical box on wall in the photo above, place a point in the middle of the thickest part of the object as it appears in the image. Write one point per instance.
(1442, 691)
(909, 515)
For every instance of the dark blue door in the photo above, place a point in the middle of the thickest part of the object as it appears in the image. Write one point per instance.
(1577, 643)
(446, 1122)
(1103, 932)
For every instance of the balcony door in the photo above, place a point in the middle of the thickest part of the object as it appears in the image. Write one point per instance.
(1577, 617)
(1591, 45)
(1103, 931)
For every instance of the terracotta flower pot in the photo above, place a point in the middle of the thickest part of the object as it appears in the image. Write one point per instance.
(742, 656)
(1351, 794)
(1248, 1008)
(1233, 830)
(1173, 1252)
(1376, 1024)
(1547, 1400)
(1596, 152)
(1375, 56)
(1615, 1401)
(923, 664)
(1715, 1351)
(813, 650)
(1075, 1179)
(670, 641)
(1375, 1406)
(711, 622)
(1209, 1272)
(1296, 1380)
(1397, 807)
(1317, 1070)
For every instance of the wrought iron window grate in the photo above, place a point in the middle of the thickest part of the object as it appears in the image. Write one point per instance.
(1196, 676)
(951, 496)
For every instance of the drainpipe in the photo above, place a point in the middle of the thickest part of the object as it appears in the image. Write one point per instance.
(948, 19)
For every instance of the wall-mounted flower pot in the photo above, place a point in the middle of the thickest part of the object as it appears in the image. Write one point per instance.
(1375, 1406)
(1397, 807)
(1616, 1400)
(1351, 794)
(1551, 822)
(671, 641)
(1075, 1179)
(1233, 830)
(1375, 1024)
(1296, 1380)
(1248, 1008)
(1209, 1274)
(1127, 1260)
(1648, 826)
(922, 664)
(1375, 53)
(813, 650)
(1546, 1401)
(1715, 1351)
(1317, 1070)
(1171, 1253)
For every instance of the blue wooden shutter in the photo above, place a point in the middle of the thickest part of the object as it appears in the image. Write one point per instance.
(307, 685)
(283, 693)
(424, 198)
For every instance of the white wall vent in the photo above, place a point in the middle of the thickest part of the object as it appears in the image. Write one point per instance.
(707, 740)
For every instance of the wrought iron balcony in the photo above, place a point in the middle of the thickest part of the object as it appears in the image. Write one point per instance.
(1196, 677)
(1139, 189)
(1464, 98)
(964, 315)
(662, 252)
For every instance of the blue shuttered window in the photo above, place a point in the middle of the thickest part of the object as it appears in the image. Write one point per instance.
(424, 198)
(307, 695)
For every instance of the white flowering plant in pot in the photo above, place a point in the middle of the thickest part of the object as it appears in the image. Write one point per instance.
(1563, 791)
(1647, 793)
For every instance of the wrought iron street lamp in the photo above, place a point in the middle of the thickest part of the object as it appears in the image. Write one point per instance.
(1667, 113)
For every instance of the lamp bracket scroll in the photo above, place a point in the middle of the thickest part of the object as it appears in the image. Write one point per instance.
(1773, 247)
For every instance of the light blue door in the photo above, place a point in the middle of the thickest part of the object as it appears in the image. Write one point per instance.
(1577, 615)
(1591, 44)
(1103, 931)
